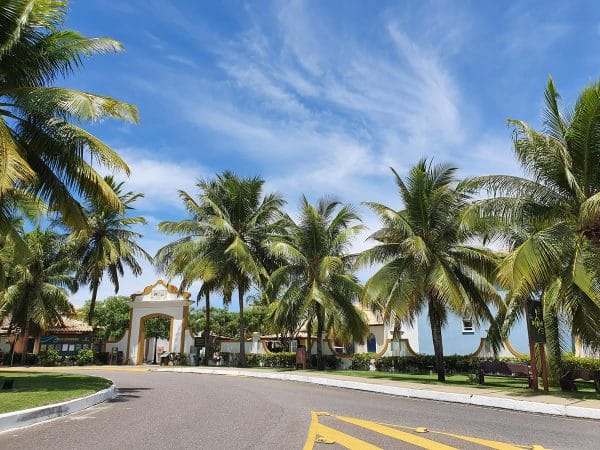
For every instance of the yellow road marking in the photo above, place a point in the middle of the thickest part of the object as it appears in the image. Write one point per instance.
(312, 431)
(484, 442)
(343, 439)
(329, 434)
(397, 434)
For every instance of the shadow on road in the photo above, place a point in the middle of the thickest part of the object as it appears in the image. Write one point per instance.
(127, 394)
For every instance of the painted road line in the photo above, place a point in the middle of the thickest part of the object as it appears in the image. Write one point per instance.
(483, 442)
(318, 433)
(397, 434)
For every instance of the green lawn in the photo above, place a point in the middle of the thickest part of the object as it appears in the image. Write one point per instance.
(38, 388)
(519, 385)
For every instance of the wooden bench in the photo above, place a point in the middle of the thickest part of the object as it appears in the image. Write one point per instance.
(567, 381)
(503, 369)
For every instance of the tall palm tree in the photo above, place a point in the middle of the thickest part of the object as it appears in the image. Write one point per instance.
(427, 260)
(317, 273)
(228, 225)
(36, 298)
(108, 244)
(550, 220)
(42, 150)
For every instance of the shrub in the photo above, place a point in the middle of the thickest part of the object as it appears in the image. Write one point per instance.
(362, 361)
(49, 358)
(571, 362)
(85, 356)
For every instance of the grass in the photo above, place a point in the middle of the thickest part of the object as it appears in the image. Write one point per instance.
(519, 386)
(585, 391)
(33, 389)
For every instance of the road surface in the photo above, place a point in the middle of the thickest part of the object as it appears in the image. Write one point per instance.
(158, 410)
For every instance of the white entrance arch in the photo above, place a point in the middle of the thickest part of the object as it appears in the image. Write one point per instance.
(158, 299)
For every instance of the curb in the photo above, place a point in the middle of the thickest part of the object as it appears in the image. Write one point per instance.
(467, 399)
(26, 417)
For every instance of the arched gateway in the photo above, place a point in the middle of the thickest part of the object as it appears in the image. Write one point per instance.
(157, 300)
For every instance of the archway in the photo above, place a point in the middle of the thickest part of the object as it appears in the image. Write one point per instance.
(154, 331)
(159, 300)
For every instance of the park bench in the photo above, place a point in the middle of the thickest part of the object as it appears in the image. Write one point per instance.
(503, 369)
(567, 381)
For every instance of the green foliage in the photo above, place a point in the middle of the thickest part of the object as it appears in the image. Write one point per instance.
(571, 362)
(361, 361)
(111, 316)
(158, 327)
(428, 261)
(85, 356)
(276, 360)
(425, 363)
(226, 323)
(49, 358)
(43, 150)
(108, 244)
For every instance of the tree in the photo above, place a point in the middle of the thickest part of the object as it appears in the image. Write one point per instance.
(36, 297)
(108, 244)
(228, 225)
(550, 221)
(317, 273)
(42, 150)
(427, 263)
(157, 328)
(111, 317)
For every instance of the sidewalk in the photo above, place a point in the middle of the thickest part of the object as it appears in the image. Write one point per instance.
(543, 404)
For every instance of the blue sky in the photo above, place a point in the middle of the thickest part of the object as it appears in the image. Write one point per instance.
(323, 97)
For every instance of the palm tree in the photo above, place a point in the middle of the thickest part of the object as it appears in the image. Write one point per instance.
(108, 244)
(427, 261)
(224, 237)
(36, 298)
(317, 273)
(42, 150)
(550, 221)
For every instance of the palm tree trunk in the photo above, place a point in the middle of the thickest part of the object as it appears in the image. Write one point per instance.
(93, 304)
(207, 343)
(552, 327)
(25, 339)
(242, 355)
(155, 344)
(320, 363)
(436, 333)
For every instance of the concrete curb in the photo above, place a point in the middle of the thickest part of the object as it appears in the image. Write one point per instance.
(26, 417)
(467, 399)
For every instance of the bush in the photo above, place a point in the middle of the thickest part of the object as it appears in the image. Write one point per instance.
(571, 362)
(425, 363)
(85, 356)
(275, 360)
(362, 361)
(49, 358)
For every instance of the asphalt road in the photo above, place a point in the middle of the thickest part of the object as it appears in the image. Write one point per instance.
(192, 411)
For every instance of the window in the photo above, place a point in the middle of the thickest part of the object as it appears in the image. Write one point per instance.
(467, 326)
(372, 344)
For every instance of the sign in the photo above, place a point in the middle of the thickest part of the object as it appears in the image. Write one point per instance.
(535, 321)
(51, 339)
(199, 341)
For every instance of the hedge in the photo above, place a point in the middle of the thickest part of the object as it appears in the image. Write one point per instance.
(571, 362)
(276, 360)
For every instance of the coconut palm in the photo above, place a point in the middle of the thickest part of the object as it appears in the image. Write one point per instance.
(36, 297)
(317, 273)
(428, 263)
(42, 150)
(550, 219)
(108, 244)
(228, 224)
(191, 259)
